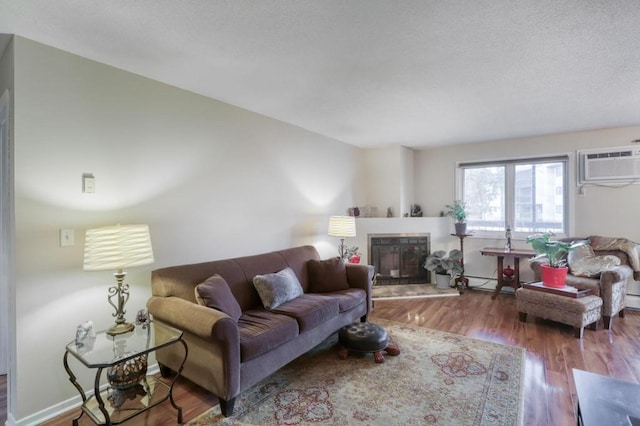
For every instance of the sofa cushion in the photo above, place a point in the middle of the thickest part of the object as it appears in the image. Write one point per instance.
(584, 263)
(327, 275)
(261, 331)
(277, 288)
(348, 299)
(215, 293)
(310, 310)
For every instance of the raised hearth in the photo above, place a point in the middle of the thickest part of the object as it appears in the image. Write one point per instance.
(399, 258)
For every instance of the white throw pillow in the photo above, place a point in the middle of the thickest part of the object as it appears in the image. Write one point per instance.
(584, 263)
(277, 288)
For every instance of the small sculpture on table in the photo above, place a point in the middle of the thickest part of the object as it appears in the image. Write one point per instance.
(85, 335)
(507, 234)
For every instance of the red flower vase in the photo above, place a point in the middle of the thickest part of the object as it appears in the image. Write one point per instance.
(355, 258)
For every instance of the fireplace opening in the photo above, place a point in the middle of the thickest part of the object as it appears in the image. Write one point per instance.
(399, 258)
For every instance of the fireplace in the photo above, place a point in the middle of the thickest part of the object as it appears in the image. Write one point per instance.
(399, 258)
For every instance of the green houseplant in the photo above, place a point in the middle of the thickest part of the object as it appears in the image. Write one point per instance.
(352, 255)
(458, 211)
(446, 267)
(554, 252)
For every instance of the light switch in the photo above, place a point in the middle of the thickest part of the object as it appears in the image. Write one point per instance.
(67, 238)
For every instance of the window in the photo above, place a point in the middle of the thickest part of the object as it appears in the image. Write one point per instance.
(527, 195)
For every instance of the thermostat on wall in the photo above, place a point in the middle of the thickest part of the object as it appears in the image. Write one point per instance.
(88, 183)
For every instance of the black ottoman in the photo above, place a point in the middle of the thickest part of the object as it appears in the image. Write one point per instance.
(365, 337)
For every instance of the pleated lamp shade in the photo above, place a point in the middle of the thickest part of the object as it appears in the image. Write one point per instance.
(342, 226)
(117, 247)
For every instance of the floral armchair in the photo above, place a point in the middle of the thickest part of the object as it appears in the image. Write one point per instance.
(605, 266)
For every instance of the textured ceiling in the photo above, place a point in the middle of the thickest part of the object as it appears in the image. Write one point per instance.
(371, 72)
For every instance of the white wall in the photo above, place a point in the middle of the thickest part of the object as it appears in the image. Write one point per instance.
(7, 290)
(389, 179)
(603, 211)
(211, 180)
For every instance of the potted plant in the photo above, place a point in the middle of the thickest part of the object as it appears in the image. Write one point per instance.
(446, 267)
(554, 272)
(458, 211)
(352, 255)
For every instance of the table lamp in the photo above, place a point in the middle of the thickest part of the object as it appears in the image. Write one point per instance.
(342, 226)
(118, 247)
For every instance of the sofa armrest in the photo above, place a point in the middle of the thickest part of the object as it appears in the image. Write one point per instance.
(536, 267)
(613, 289)
(213, 340)
(615, 274)
(361, 276)
(187, 316)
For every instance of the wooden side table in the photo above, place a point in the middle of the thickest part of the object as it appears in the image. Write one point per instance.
(516, 254)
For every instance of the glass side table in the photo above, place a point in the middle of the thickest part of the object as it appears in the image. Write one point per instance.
(126, 391)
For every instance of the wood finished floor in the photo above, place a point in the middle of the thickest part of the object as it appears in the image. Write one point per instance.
(552, 352)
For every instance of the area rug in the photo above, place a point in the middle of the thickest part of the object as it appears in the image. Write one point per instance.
(438, 379)
(409, 291)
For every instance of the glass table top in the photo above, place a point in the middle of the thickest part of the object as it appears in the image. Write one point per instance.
(105, 350)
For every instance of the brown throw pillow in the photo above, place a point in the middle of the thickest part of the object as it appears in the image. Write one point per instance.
(215, 293)
(327, 275)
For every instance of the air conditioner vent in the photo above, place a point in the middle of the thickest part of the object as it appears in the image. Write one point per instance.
(609, 165)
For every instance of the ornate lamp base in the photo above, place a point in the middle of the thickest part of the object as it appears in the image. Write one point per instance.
(121, 328)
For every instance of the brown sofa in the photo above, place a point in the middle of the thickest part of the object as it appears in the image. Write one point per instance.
(610, 284)
(229, 352)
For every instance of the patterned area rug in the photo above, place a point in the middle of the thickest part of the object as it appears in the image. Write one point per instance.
(408, 291)
(438, 378)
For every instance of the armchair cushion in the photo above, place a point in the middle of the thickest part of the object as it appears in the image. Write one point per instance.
(277, 288)
(327, 275)
(584, 263)
(215, 293)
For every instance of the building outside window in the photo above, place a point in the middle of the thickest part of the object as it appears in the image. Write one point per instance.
(527, 195)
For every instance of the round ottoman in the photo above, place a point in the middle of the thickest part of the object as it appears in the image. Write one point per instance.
(365, 337)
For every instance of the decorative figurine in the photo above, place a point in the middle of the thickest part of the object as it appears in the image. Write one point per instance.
(84, 332)
(416, 210)
(142, 317)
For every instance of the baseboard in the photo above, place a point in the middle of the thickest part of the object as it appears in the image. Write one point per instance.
(489, 284)
(60, 408)
(11, 421)
(633, 302)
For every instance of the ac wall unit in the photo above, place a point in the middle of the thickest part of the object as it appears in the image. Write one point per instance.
(610, 165)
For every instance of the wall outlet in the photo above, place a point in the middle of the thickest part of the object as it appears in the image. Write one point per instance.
(67, 238)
